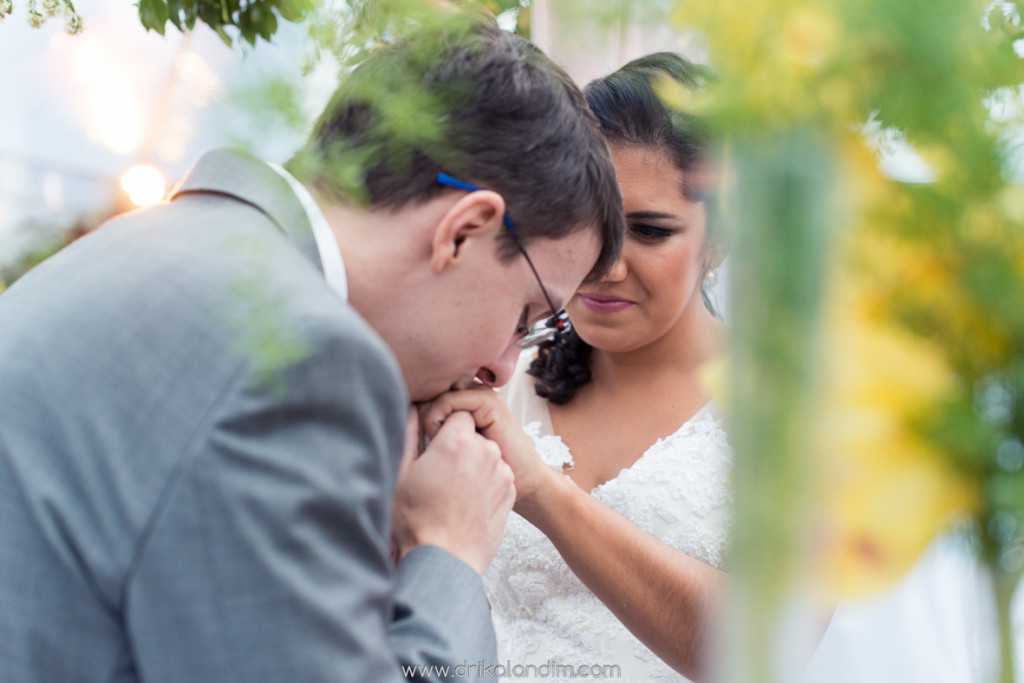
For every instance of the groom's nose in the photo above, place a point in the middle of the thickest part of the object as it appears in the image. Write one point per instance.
(498, 372)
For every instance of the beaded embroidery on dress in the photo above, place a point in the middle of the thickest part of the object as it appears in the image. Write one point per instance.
(678, 491)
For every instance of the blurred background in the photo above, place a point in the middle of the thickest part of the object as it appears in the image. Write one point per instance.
(109, 119)
(82, 111)
(98, 123)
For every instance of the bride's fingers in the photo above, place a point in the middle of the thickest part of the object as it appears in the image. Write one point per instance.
(480, 403)
(436, 413)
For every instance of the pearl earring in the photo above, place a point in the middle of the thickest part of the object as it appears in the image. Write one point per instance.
(710, 277)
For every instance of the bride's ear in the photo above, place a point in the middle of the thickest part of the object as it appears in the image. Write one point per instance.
(715, 251)
(476, 216)
(714, 256)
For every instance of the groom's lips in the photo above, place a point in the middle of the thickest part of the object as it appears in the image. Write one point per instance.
(604, 304)
(462, 385)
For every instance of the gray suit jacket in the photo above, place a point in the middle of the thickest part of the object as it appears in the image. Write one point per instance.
(198, 451)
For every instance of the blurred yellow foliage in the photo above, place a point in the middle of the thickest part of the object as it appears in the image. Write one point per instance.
(885, 492)
(808, 38)
(912, 108)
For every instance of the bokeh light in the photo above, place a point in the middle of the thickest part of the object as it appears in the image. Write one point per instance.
(144, 184)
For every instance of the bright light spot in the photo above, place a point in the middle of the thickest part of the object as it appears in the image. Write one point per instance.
(898, 159)
(115, 117)
(198, 78)
(902, 163)
(507, 20)
(1006, 105)
(112, 109)
(144, 185)
(88, 61)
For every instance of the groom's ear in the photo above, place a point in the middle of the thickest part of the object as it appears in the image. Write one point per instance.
(473, 219)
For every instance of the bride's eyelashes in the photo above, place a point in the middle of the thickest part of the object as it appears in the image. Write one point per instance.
(645, 232)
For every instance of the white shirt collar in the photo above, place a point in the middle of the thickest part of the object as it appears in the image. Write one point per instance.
(326, 244)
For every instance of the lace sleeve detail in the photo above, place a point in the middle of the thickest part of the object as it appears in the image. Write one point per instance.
(679, 491)
(550, 447)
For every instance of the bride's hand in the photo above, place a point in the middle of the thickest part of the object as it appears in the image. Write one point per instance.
(495, 422)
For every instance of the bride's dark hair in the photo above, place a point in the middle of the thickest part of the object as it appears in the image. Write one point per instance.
(631, 113)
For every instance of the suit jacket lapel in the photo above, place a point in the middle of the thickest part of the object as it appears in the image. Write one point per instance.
(247, 179)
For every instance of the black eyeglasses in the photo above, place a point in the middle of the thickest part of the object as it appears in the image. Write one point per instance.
(541, 332)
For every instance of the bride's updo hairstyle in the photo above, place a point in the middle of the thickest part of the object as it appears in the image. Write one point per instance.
(630, 113)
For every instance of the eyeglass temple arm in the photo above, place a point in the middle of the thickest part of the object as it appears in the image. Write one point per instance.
(451, 181)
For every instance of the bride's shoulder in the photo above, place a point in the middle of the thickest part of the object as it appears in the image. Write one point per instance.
(520, 394)
(705, 432)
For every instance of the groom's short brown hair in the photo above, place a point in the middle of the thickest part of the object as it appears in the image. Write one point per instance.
(478, 103)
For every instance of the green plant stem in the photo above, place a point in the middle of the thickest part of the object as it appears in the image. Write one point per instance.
(783, 217)
(1004, 585)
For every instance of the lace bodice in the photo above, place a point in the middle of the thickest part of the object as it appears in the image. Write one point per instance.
(678, 491)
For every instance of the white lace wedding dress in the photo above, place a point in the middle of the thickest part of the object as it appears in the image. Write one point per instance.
(679, 491)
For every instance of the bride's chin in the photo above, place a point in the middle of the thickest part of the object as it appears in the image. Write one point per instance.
(600, 336)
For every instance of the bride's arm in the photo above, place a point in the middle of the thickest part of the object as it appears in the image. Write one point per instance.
(667, 599)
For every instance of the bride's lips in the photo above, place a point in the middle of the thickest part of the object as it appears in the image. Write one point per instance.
(604, 304)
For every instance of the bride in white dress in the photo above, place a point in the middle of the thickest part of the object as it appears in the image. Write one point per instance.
(611, 563)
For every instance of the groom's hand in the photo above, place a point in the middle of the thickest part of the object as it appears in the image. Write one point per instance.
(495, 421)
(456, 495)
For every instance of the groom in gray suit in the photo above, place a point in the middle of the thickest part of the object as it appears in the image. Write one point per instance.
(204, 405)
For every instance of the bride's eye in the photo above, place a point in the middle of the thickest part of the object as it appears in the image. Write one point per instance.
(650, 233)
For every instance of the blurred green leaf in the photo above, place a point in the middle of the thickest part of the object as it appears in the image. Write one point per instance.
(153, 14)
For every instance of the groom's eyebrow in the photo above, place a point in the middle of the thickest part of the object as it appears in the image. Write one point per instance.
(648, 215)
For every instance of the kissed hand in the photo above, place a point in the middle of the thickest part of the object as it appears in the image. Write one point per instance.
(494, 421)
(455, 495)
